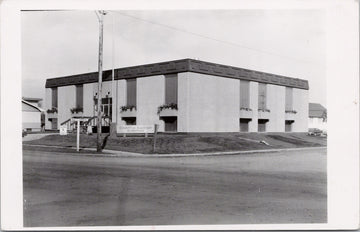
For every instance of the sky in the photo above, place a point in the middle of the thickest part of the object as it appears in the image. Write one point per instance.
(284, 42)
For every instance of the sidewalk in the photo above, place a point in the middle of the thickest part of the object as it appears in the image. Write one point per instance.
(113, 153)
(30, 137)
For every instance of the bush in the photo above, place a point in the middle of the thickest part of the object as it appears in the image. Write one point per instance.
(245, 108)
(76, 110)
(126, 108)
(172, 106)
(52, 110)
(264, 110)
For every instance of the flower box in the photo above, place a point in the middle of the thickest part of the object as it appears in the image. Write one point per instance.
(128, 113)
(168, 112)
(52, 115)
(263, 114)
(246, 113)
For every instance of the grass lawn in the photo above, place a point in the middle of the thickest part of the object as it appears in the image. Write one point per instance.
(189, 143)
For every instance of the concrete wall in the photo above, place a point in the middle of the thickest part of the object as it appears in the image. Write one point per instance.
(47, 106)
(253, 124)
(208, 103)
(276, 105)
(205, 103)
(121, 99)
(88, 100)
(150, 95)
(66, 101)
(301, 105)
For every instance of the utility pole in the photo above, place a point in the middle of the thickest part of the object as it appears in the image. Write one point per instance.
(100, 14)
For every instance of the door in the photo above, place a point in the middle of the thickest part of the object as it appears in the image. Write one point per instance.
(54, 123)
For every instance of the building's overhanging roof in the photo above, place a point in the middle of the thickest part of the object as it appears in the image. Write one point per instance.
(32, 99)
(316, 110)
(31, 105)
(179, 66)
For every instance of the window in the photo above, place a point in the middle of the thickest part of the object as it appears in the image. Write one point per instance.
(262, 125)
(79, 96)
(106, 106)
(288, 99)
(129, 120)
(171, 89)
(262, 96)
(244, 124)
(288, 125)
(170, 123)
(244, 94)
(131, 92)
(54, 97)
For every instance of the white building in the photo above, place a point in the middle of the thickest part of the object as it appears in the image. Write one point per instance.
(184, 96)
(317, 116)
(31, 116)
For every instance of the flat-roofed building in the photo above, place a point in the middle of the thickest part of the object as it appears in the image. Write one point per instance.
(31, 116)
(317, 116)
(184, 96)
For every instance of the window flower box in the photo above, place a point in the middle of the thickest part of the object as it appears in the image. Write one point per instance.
(246, 112)
(52, 113)
(128, 111)
(263, 113)
(76, 111)
(168, 110)
(290, 114)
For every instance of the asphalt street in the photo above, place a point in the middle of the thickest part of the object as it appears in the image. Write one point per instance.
(77, 190)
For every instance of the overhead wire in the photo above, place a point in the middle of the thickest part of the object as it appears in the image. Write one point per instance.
(213, 39)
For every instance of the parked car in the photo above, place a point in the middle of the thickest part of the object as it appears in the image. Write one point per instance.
(315, 132)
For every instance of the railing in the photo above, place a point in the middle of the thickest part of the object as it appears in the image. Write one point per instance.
(105, 121)
(92, 121)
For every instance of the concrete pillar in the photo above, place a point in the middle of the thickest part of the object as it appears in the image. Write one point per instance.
(47, 106)
(150, 95)
(301, 105)
(276, 105)
(183, 102)
(66, 101)
(253, 124)
(88, 97)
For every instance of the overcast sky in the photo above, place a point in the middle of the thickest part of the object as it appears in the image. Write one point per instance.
(284, 42)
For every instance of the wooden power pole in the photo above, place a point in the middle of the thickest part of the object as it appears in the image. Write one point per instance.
(100, 14)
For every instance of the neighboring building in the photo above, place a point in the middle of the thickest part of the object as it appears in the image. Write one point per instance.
(317, 116)
(34, 101)
(184, 96)
(31, 116)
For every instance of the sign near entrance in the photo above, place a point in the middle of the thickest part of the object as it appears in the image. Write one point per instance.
(134, 129)
(63, 130)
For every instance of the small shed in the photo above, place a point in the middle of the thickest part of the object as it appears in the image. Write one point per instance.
(32, 117)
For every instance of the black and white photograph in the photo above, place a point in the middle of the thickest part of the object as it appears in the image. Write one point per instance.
(175, 117)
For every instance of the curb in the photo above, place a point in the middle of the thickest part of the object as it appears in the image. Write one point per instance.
(113, 153)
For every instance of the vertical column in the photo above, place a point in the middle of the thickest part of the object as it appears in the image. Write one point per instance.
(66, 101)
(301, 105)
(121, 99)
(48, 104)
(183, 102)
(276, 105)
(88, 100)
(253, 124)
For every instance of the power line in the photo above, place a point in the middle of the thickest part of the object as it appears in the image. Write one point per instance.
(213, 39)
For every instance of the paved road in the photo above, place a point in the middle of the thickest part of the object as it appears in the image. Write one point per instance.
(69, 190)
